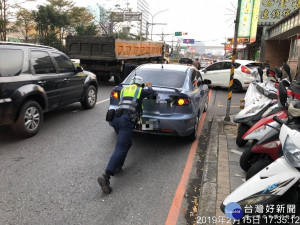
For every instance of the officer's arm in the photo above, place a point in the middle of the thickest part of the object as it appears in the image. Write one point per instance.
(146, 92)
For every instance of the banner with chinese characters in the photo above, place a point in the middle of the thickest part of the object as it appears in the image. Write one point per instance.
(271, 11)
(245, 18)
(254, 20)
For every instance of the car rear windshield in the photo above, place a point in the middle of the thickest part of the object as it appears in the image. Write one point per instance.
(159, 77)
(11, 62)
(253, 65)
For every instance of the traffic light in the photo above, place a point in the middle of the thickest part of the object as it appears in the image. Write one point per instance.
(178, 33)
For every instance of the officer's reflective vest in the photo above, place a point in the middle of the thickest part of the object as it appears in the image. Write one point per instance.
(129, 97)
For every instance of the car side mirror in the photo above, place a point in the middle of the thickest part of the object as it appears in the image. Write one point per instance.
(79, 69)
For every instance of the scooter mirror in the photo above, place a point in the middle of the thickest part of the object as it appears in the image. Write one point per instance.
(287, 70)
(278, 73)
(282, 94)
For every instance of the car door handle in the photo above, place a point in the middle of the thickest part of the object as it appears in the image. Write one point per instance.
(41, 82)
(67, 79)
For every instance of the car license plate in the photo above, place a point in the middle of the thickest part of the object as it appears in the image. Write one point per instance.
(149, 124)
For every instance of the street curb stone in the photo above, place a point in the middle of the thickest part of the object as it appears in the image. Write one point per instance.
(208, 193)
(220, 175)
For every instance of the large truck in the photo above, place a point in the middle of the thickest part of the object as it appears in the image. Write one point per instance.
(109, 56)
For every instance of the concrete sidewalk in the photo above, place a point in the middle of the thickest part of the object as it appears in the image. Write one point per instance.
(222, 173)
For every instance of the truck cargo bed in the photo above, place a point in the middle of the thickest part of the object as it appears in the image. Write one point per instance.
(110, 49)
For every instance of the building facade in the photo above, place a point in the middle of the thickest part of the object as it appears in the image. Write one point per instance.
(143, 7)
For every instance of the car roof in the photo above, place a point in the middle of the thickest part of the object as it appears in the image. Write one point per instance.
(25, 44)
(241, 61)
(177, 67)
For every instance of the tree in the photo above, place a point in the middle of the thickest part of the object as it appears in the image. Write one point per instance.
(49, 22)
(89, 30)
(7, 15)
(24, 23)
(75, 15)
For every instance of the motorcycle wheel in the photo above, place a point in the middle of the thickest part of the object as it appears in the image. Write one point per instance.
(243, 128)
(248, 157)
(257, 166)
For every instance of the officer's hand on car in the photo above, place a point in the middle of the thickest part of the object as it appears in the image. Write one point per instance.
(148, 84)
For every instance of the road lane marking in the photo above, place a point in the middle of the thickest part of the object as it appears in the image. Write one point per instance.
(105, 100)
(232, 106)
(177, 200)
(236, 152)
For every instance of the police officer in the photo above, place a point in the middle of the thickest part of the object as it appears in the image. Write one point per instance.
(126, 116)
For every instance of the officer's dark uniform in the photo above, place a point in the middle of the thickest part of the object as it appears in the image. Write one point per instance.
(127, 115)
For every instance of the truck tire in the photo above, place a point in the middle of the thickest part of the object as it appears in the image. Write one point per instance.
(128, 68)
(118, 79)
(29, 120)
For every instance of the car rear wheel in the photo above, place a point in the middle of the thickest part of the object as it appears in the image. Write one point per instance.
(90, 98)
(29, 120)
(193, 136)
(237, 86)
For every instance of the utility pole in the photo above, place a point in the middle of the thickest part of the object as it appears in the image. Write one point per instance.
(236, 29)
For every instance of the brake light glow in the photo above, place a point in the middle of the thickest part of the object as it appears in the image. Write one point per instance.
(245, 70)
(115, 94)
(183, 101)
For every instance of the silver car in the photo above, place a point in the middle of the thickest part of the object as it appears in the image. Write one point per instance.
(181, 98)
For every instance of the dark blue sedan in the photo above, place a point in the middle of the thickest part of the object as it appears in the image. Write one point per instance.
(181, 98)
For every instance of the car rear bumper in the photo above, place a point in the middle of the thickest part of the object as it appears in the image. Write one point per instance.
(175, 125)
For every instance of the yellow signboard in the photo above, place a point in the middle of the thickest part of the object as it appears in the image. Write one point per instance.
(271, 11)
(245, 18)
(254, 20)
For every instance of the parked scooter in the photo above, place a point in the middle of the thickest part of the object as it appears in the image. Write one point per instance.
(269, 148)
(252, 113)
(277, 183)
(264, 132)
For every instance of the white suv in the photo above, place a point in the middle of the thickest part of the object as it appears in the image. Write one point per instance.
(219, 73)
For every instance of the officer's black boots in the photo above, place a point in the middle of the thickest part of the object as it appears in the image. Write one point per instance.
(119, 170)
(104, 183)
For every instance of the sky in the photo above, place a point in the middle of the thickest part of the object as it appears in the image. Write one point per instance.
(209, 21)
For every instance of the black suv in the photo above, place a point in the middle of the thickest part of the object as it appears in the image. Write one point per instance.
(185, 61)
(36, 79)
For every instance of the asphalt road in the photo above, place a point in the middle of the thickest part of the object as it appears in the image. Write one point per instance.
(51, 178)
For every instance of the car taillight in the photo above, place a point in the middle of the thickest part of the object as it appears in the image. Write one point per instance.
(183, 101)
(115, 94)
(245, 70)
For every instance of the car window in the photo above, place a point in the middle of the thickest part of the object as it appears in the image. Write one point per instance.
(64, 64)
(42, 63)
(236, 65)
(226, 65)
(159, 77)
(216, 66)
(253, 65)
(11, 62)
